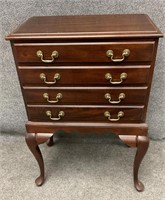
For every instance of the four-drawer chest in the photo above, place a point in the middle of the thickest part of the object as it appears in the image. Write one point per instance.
(86, 74)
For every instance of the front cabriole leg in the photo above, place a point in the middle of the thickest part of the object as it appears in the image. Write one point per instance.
(32, 141)
(142, 146)
(142, 143)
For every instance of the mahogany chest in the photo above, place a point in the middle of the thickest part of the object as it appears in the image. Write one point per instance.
(86, 73)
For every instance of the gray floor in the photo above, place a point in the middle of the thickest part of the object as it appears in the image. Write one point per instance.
(91, 168)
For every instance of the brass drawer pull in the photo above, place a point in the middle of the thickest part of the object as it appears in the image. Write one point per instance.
(58, 97)
(126, 53)
(60, 115)
(56, 77)
(54, 55)
(108, 96)
(123, 76)
(108, 115)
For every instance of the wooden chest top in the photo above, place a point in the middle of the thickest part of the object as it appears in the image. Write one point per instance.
(86, 26)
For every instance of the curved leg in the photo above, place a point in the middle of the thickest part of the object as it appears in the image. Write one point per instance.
(142, 146)
(33, 146)
(32, 141)
(50, 141)
(142, 143)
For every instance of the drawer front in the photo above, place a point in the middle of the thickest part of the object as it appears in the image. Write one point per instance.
(85, 114)
(106, 96)
(84, 52)
(84, 76)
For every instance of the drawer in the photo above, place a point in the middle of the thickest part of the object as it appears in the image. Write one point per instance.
(81, 76)
(86, 114)
(85, 96)
(48, 53)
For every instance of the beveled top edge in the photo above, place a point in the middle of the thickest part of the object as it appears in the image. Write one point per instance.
(80, 26)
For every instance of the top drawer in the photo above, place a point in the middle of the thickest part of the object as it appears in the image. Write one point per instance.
(110, 52)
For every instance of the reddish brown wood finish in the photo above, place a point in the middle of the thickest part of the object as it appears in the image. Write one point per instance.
(86, 114)
(142, 143)
(33, 140)
(84, 76)
(85, 52)
(88, 96)
(78, 127)
(82, 42)
(86, 26)
(142, 147)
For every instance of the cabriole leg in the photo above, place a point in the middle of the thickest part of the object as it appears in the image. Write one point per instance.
(142, 146)
(32, 141)
(142, 143)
